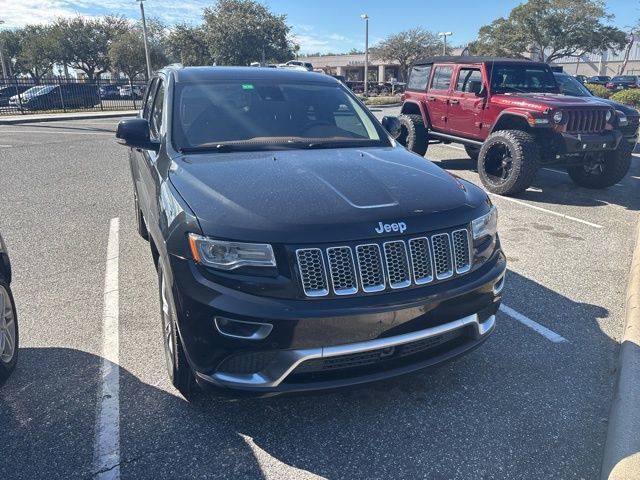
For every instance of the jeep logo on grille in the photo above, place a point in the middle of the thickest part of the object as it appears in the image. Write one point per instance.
(391, 227)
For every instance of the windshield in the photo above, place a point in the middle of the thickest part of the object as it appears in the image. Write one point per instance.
(256, 115)
(572, 87)
(522, 78)
(624, 78)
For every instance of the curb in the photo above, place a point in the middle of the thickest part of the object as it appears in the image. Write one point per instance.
(621, 460)
(65, 117)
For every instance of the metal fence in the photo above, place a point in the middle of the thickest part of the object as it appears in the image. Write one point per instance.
(24, 96)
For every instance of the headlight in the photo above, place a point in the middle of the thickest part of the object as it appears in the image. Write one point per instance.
(230, 255)
(557, 117)
(486, 225)
(622, 119)
(608, 117)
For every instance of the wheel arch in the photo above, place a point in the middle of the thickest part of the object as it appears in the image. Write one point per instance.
(509, 120)
(415, 108)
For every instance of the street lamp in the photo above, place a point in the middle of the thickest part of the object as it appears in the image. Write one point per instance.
(144, 34)
(365, 17)
(445, 35)
(4, 68)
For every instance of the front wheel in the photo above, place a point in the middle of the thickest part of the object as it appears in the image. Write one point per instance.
(413, 134)
(9, 340)
(605, 170)
(180, 373)
(508, 161)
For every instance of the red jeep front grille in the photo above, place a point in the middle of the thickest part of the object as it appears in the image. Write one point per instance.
(586, 121)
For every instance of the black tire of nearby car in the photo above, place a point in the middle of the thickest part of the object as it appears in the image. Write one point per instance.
(180, 372)
(615, 166)
(413, 133)
(524, 155)
(472, 151)
(7, 367)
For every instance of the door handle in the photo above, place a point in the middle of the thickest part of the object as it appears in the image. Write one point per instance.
(431, 99)
(454, 102)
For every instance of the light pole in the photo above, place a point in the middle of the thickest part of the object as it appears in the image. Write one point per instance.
(365, 17)
(144, 34)
(445, 35)
(4, 68)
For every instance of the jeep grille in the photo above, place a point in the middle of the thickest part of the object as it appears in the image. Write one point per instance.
(374, 267)
(586, 121)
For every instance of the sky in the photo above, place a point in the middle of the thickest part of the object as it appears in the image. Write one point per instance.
(319, 26)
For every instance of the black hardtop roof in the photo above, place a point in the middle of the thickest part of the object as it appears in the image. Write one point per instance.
(472, 59)
(208, 74)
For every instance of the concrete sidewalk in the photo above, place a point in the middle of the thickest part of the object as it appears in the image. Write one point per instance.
(53, 117)
(622, 450)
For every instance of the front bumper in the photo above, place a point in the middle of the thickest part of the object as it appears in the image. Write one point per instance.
(580, 143)
(306, 330)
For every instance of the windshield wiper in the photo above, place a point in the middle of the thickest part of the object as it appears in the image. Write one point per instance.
(336, 144)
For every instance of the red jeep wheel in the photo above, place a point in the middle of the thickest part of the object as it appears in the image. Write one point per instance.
(413, 134)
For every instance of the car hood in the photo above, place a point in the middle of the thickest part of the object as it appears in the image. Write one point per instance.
(626, 109)
(329, 195)
(544, 101)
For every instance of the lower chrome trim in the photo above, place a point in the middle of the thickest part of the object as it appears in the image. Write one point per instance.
(287, 360)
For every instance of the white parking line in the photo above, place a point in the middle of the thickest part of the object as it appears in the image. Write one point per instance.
(555, 171)
(550, 212)
(106, 446)
(55, 132)
(544, 331)
(5, 146)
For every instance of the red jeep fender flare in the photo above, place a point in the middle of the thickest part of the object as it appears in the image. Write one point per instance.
(423, 111)
(521, 113)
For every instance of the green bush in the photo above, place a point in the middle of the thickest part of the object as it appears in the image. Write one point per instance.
(382, 100)
(628, 97)
(598, 90)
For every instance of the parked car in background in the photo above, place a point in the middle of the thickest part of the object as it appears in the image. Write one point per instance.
(55, 97)
(299, 63)
(7, 92)
(512, 119)
(9, 339)
(128, 91)
(340, 78)
(599, 79)
(383, 265)
(581, 78)
(109, 92)
(628, 118)
(622, 82)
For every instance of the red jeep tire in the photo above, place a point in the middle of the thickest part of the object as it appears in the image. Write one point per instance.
(606, 173)
(508, 161)
(413, 134)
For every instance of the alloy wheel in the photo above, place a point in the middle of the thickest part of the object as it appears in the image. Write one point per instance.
(498, 163)
(7, 328)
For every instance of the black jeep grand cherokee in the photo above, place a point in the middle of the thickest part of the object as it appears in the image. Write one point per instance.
(298, 246)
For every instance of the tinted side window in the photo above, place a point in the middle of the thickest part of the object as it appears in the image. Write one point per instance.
(149, 100)
(155, 122)
(418, 77)
(465, 77)
(442, 78)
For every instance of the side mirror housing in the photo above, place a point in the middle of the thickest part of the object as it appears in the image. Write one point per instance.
(135, 133)
(476, 86)
(392, 125)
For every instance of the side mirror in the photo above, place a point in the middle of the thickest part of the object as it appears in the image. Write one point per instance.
(135, 133)
(392, 125)
(475, 86)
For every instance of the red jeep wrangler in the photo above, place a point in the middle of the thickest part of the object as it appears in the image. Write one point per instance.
(511, 118)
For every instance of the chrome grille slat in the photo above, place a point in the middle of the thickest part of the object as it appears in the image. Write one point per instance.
(397, 262)
(343, 270)
(375, 267)
(421, 262)
(370, 267)
(441, 244)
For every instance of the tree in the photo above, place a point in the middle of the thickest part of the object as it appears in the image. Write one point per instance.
(29, 50)
(239, 32)
(84, 43)
(407, 47)
(10, 45)
(187, 45)
(127, 53)
(550, 29)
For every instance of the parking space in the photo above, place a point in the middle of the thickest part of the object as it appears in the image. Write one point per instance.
(532, 402)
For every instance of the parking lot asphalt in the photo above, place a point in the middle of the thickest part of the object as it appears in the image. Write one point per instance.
(531, 403)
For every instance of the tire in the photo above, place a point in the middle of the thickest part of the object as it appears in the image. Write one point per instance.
(178, 368)
(472, 151)
(141, 227)
(508, 161)
(613, 168)
(413, 134)
(8, 330)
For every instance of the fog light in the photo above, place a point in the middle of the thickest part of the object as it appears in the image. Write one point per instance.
(242, 329)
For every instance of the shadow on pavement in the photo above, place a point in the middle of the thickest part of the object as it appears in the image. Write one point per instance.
(518, 407)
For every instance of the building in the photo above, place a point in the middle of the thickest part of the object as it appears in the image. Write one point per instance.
(352, 67)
